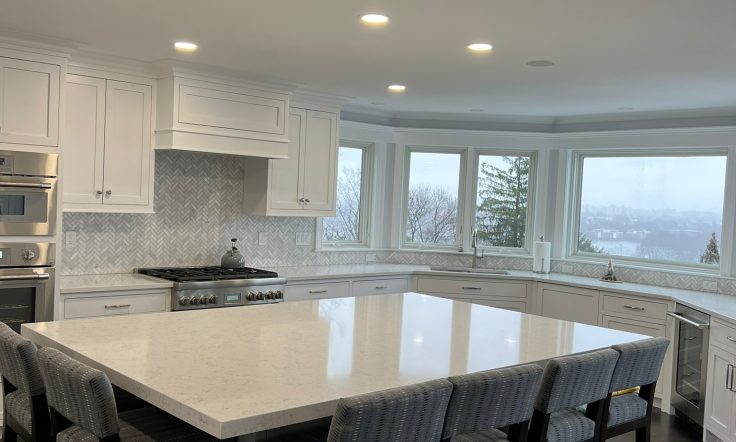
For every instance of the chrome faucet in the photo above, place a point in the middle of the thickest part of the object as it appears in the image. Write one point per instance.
(474, 245)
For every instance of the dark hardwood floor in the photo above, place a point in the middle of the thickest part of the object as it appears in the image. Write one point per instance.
(665, 428)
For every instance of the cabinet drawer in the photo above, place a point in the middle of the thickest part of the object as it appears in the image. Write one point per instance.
(144, 302)
(380, 287)
(723, 334)
(516, 306)
(635, 307)
(570, 303)
(301, 292)
(472, 287)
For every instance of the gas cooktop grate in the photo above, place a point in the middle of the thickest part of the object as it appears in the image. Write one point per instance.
(184, 274)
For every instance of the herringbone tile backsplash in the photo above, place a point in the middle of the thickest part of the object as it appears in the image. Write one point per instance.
(198, 204)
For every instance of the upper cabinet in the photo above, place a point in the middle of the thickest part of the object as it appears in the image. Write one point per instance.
(107, 155)
(304, 184)
(29, 102)
(207, 115)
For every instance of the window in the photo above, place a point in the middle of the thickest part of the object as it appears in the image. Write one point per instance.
(350, 224)
(666, 208)
(431, 215)
(502, 203)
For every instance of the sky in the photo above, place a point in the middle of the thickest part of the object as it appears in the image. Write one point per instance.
(683, 183)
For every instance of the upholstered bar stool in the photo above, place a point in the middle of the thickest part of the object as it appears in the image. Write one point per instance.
(483, 403)
(569, 382)
(25, 409)
(638, 365)
(83, 407)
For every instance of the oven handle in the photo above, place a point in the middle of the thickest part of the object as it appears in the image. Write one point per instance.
(25, 185)
(32, 276)
(687, 320)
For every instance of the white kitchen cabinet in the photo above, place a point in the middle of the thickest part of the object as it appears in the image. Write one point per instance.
(201, 113)
(29, 102)
(720, 395)
(108, 160)
(569, 303)
(379, 286)
(317, 290)
(508, 295)
(123, 302)
(305, 183)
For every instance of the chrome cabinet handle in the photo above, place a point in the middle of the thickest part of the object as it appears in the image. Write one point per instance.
(113, 306)
(728, 375)
(471, 288)
(314, 292)
(380, 287)
(631, 307)
(687, 320)
(25, 185)
(731, 339)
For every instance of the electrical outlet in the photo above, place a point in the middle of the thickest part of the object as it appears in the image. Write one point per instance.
(303, 238)
(262, 238)
(370, 257)
(710, 285)
(566, 268)
(70, 239)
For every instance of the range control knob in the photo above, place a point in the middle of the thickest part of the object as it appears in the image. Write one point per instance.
(211, 299)
(184, 300)
(279, 294)
(270, 294)
(28, 254)
(261, 296)
(195, 300)
(251, 296)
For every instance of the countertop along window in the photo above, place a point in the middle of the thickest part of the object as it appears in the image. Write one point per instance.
(349, 228)
(664, 208)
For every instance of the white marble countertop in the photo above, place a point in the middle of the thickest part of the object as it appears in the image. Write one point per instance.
(110, 282)
(236, 371)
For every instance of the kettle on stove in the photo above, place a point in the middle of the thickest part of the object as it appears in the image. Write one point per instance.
(232, 259)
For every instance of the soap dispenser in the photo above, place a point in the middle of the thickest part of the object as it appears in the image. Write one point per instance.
(233, 259)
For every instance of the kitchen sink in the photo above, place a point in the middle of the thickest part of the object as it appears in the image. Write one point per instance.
(469, 270)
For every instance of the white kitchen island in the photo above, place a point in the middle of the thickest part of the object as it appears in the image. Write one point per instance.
(240, 370)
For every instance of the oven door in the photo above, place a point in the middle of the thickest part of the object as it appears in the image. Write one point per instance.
(26, 295)
(27, 206)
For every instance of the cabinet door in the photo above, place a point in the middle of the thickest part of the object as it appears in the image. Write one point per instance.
(320, 161)
(84, 139)
(570, 304)
(284, 182)
(719, 400)
(29, 102)
(642, 328)
(127, 143)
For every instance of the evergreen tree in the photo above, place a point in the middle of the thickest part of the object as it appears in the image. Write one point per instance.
(711, 254)
(503, 194)
(585, 244)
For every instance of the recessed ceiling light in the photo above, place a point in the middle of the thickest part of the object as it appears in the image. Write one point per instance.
(377, 103)
(479, 48)
(540, 63)
(374, 19)
(477, 111)
(185, 46)
(397, 88)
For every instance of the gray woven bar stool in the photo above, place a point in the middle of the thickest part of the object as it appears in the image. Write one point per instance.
(483, 403)
(569, 382)
(638, 365)
(414, 413)
(83, 407)
(25, 409)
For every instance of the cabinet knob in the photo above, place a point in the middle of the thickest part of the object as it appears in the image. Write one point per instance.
(306, 200)
(108, 193)
(301, 200)
(98, 193)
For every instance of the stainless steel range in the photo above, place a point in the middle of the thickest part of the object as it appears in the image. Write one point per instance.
(212, 287)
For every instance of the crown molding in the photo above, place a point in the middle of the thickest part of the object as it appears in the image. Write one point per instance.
(310, 96)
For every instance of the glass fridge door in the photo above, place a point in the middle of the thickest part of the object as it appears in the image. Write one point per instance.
(689, 363)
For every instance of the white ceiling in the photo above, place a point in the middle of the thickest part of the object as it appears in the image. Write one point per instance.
(654, 55)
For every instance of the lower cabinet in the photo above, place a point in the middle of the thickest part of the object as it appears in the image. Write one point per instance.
(569, 303)
(509, 295)
(380, 286)
(90, 305)
(317, 290)
(720, 395)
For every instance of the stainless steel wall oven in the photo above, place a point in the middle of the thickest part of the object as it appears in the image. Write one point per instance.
(26, 283)
(28, 199)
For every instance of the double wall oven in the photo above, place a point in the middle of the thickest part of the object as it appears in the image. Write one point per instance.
(28, 208)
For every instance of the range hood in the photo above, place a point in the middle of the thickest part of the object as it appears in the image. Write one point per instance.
(216, 114)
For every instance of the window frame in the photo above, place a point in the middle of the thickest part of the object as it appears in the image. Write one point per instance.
(531, 198)
(364, 208)
(462, 173)
(575, 206)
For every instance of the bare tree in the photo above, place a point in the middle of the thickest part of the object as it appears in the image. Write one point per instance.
(431, 215)
(345, 225)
